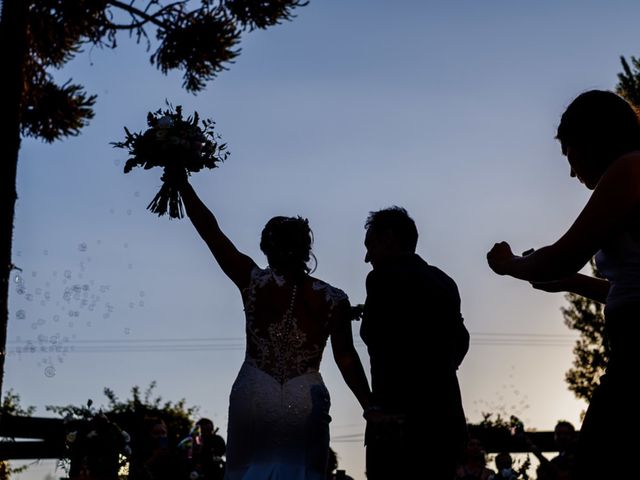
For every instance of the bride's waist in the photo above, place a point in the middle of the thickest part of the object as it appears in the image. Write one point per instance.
(282, 373)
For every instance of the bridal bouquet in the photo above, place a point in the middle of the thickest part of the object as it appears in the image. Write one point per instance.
(181, 146)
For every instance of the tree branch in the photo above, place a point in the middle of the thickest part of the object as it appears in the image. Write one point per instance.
(139, 13)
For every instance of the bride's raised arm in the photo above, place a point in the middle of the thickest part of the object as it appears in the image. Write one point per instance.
(235, 264)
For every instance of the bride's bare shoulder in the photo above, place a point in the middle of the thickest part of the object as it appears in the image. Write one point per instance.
(328, 291)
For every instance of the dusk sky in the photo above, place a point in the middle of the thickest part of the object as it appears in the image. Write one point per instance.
(448, 108)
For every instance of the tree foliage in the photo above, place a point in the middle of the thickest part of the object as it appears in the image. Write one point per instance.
(261, 14)
(495, 426)
(98, 434)
(11, 406)
(131, 414)
(590, 351)
(199, 38)
(629, 81)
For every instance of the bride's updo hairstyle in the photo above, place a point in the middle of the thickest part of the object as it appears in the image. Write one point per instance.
(286, 241)
(602, 125)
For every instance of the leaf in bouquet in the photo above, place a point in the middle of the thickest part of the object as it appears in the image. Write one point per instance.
(127, 141)
(151, 119)
(130, 164)
(221, 152)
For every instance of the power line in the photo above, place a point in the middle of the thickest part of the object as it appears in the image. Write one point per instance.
(56, 344)
(349, 438)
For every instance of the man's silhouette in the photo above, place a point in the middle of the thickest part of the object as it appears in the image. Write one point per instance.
(416, 340)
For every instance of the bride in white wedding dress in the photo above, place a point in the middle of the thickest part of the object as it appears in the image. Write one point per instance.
(279, 406)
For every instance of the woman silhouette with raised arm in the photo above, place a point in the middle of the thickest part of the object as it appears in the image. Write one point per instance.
(279, 405)
(600, 136)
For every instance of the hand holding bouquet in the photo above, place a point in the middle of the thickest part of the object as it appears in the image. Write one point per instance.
(181, 146)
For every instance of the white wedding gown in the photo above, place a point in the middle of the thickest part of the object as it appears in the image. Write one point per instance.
(279, 406)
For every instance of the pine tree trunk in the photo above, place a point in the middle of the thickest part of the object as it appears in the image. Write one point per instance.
(13, 38)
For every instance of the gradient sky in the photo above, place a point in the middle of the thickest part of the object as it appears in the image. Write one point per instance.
(447, 108)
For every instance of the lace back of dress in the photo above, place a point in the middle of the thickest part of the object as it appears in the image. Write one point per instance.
(287, 340)
(281, 347)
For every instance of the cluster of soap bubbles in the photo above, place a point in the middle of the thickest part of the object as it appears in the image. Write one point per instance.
(58, 307)
(509, 400)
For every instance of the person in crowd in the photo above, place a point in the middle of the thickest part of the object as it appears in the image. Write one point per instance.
(504, 467)
(333, 472)
(203, 451)
(155, 458)
(474, 463)
(560, 466)
(599, 134)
